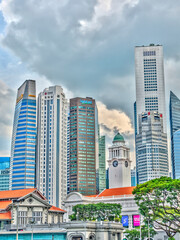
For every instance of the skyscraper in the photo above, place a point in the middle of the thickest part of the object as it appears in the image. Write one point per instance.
(149, 73)
(151, 147)
(133, 177)
(150, 97)
(83, 145)
(174, 113)
(22, 166)
(51, 168)
(101, 172)
(4, 173)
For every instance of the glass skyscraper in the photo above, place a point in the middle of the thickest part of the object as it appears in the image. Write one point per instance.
(22, 165)
(151, 147)
(174, 113)
(4, 173)
(101, 172)
(84, 162)
(150, 100)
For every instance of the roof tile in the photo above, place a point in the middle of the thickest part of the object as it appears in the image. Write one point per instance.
(53, 208)
(5, 204)
(5, 216)
(116, 192)
(12, 194)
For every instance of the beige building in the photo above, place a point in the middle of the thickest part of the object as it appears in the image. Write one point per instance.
(27, 206)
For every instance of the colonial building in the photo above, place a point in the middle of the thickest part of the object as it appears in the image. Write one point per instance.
(123, 196)
(27, 206)
(119, 163)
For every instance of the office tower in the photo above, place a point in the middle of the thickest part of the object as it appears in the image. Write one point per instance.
(22, 165)
(149, 73)
(101, 172)
(174, 113)
(83, 145)
(150, 95)
(52, 144)
(151, 146)
(119, 163)
(107, 178)
(68, 152)
(133, 177)
(4, 173)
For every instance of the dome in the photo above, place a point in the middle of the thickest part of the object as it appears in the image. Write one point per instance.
(118, 138)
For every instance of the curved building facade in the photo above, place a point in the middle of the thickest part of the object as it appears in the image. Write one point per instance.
(22, 164)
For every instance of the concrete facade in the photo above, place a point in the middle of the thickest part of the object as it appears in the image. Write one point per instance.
(51, 154)
(119, 164)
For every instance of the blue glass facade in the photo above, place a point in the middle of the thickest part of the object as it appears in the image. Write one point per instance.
(174, 113)
(4, 173)
(24, 138)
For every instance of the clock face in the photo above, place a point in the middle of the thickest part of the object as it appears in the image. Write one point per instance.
(115, 163)
(126, 163)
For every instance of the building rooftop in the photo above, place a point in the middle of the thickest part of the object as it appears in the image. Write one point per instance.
(5, 204)
(5, 216)
(56, 209)
(116, 192)
(118, 138)
(14, 194)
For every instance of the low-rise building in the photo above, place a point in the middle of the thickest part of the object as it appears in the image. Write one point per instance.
(123, 196)
(27, 206)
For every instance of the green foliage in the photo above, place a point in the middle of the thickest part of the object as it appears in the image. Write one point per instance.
(99, 211)
(135, 233)
(132, 234)
(159, 203)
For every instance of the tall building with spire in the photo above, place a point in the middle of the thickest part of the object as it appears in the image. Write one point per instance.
(22, 164)
(174, 114)
(51, 167)
(150, 99)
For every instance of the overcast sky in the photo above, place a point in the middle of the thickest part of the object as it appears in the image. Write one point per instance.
(87, 47)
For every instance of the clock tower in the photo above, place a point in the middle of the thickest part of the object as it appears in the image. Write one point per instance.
(119, 163)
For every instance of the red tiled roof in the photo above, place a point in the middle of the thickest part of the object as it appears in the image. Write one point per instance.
(53, 208)
(11, 194)
(5, 204)
(5, 216)
(91, 196)
(116, 192)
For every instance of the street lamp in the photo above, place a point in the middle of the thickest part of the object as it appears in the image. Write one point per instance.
(17, 224)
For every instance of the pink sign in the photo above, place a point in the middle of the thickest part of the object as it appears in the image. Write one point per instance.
(136, 220)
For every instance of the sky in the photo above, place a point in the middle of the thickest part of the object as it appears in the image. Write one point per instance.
(87, 47)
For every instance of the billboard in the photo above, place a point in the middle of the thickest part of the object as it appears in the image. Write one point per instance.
(136, 220)
(125, 221)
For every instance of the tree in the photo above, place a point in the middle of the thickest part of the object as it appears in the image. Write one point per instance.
(135, 233)
(159, 203)
(99, 211)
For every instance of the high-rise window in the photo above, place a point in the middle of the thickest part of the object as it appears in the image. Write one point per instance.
(22, 167)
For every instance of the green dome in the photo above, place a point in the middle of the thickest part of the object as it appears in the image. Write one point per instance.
(118, 138)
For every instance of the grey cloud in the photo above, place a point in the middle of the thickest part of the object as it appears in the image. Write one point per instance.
(7, 98)
(98, 62)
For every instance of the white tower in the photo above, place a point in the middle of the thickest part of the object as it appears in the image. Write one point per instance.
(51, 165)
(150, 87)
(119, 163)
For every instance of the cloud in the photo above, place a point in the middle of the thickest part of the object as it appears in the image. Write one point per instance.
(113, 120)
(7, 98)
(88, 46)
